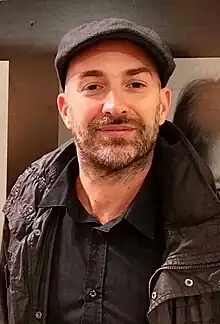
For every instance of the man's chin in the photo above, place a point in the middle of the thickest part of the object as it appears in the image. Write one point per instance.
(115, 159)
(115, 150)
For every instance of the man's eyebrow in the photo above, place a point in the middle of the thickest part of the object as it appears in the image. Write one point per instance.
(129, 72)
(142, 69)
(90, 73)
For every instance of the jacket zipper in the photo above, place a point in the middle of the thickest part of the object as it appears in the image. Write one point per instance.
(39, 298)
(55, 218)
(179, 267)
(190, 267)
(30, 271)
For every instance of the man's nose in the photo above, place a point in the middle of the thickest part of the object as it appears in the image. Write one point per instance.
(114, 105)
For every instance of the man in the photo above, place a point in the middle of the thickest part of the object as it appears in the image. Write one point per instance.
(96, 227)
(198, 116)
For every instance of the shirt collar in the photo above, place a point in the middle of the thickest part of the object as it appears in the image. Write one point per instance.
(142, 212)
(144, 209)
(58, 195)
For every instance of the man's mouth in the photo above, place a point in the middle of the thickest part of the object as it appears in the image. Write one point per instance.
(116, 128)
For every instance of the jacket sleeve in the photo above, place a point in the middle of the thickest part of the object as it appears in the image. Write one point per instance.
(13, 205)
(4, 274)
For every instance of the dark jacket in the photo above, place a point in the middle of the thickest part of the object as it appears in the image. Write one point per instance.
(186, 289)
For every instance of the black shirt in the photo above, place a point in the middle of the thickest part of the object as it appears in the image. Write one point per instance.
(100, 273)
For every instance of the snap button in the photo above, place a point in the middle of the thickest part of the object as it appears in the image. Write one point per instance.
(38, 315)
(92, 293)
(16, 192)
(37, 232)
(30, 209)
(189, 282)
(154, 295)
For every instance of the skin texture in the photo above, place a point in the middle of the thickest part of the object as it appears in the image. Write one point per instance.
(113, 104)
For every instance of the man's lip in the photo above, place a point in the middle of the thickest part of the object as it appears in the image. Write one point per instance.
(116, 128)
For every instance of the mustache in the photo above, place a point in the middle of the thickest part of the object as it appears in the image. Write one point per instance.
(115, 120)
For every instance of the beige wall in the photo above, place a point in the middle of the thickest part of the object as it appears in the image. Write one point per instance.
(33, 117)
(4, 76)
(63, 133)
(186, 70)
(28, 114)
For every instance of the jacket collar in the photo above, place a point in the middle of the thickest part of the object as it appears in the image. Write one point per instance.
(186, 183)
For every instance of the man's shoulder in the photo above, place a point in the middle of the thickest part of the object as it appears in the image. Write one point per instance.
(37, 179)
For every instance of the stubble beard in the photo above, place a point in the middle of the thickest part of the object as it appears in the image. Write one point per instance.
(112, 157)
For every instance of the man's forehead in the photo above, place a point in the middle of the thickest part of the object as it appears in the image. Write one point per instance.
(102, 54)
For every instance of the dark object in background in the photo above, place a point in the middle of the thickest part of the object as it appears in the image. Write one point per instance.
(198, 116)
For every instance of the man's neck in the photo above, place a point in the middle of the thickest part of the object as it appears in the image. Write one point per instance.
(107, 198)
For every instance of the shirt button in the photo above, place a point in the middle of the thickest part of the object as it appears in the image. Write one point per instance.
(92, 293)
(154, 295)
(189, 282)
(38, 315)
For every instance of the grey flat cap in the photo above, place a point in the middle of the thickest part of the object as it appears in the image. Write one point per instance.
(86, 35)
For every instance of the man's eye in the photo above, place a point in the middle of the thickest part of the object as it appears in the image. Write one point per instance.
(136, 85)
(92, 87)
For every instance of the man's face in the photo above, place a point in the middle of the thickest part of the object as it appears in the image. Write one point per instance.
(113, 104)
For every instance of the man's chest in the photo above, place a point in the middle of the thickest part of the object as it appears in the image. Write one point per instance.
(100, 274)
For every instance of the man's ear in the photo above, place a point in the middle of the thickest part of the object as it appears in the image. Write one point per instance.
(165, 103)
(64, 109)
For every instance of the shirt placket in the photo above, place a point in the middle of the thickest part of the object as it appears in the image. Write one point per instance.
(94, 281)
